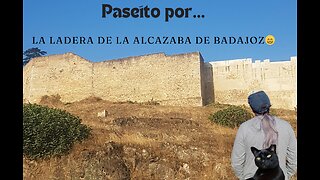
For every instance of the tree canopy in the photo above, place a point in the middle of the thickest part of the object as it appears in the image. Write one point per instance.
(32, 53)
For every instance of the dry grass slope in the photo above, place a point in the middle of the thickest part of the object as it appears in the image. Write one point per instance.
(137, 141)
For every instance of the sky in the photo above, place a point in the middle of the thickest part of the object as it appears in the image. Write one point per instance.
(44, 19)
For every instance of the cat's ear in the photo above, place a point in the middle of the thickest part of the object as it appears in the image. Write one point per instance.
(272, 148)
(254, 150)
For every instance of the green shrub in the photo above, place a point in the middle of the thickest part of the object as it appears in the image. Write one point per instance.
(231, 116)
(50, 132)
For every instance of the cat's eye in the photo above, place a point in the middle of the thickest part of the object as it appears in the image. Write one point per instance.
(269, 156)
(258, 158)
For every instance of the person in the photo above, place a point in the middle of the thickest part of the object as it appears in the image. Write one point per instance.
(261, 131)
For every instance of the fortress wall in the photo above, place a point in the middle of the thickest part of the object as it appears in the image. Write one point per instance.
(234, 80)
(207, 87)
(68, 75)
(182, 79)
(171, 80)
(26, 81)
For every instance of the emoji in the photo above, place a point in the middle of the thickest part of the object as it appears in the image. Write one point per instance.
(270, 39)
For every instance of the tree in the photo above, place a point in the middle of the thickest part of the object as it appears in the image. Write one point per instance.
(32, 53)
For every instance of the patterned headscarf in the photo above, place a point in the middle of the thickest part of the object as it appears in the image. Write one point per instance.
(268, 125)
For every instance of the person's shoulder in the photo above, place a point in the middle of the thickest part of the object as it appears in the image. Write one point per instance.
(249, 122)
(282, 122)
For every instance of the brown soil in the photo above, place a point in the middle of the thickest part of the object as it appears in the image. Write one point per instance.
(138, 141)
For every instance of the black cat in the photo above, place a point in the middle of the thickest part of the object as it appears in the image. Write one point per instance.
(268, 164)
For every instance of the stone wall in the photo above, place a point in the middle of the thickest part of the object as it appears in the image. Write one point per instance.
(207, 90)
(234, 80)
(182, 79)
(171, 80)
(68, 75)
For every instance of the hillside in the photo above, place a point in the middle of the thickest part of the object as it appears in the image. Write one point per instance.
(143, 141)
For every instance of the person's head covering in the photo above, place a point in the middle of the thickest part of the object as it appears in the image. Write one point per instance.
(260, 105)
(259, 102)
